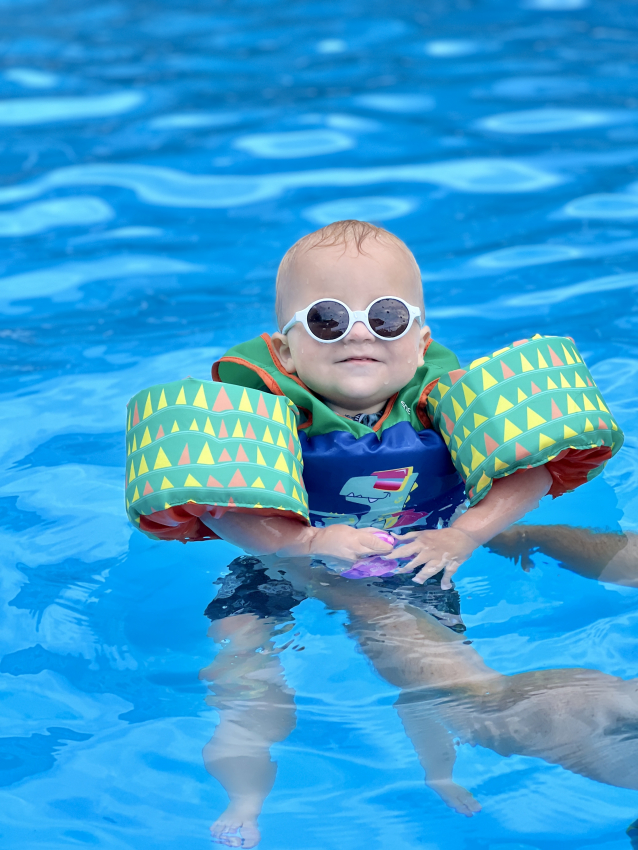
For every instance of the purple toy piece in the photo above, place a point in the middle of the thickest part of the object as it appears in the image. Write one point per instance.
(374, 566)
(387, 538)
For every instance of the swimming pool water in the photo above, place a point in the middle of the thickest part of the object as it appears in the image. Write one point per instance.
(157, 160)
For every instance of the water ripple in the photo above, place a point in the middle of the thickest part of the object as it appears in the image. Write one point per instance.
(43, 110)
(550, 120)
(31, 78)
(49, 282)
(295, 144)
(365, 209)
(58, 212)
(603, 206)
(173, 188)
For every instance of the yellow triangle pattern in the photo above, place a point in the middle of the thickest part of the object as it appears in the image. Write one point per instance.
(200, 398)
(191, 482)
(551, 385)
(134, 449)
(281, 441)
(281, 464)
(442, 388)
(542, 363)
(194, 426)
(479, 420)
(544, 441)
(458, 441)
(525, 364)
(483, 482)
(162, 401)
(458, 410)
(181, 398)
(131, 474)
(136, 495)
(205, 455)
(146, 439)
(148, 407)
(488, 380)
(466, 432)
(161, 461)
(276, 414)
(521, 395)
(258, 483)
(503, 405)
(533, 419)
(499, 464)
(478, 362)
(587, 403)
(469, 395)
(245, 404)
(567, 433)
(208, 428)
(466, 470)
(601, 404)
(572, 407)
(570, 360)
(238, 432)
(267, 438)
(510, 431)
(260, 458)
(477, 458)
(588, 425)
(579, 381)
(295, 475)
(143, 467)
(563, 381)
(175, 427)
(166, 484)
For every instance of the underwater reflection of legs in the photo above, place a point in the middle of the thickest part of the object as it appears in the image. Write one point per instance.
(256, 709)
(600, 555)
(583, 720)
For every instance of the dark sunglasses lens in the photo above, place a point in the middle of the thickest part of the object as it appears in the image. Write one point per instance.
(389, 318)
(328, 320)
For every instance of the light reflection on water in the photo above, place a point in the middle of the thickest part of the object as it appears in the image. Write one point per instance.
(156, 163)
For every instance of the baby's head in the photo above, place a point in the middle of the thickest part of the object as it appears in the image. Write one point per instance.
(356, 263)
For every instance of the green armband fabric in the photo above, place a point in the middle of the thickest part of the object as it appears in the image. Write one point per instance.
(532, 403)
(197, 446)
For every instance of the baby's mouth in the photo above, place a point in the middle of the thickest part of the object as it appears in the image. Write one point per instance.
(360, 358)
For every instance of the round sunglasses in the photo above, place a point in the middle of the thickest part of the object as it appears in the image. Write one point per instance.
(329, 320)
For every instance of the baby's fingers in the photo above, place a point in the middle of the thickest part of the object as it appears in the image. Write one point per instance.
(406, 550)
(430, 569)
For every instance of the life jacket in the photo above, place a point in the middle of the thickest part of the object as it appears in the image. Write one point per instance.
(396, 474)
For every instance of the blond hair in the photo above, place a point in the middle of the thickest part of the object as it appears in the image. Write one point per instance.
(348, 232)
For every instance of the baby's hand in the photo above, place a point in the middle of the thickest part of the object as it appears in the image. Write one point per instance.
(443, 548)
(345, 543)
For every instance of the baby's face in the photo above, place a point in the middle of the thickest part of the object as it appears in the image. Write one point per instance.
(360, 372)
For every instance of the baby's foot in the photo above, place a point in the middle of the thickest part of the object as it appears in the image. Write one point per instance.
(235, 828)
(456, 797)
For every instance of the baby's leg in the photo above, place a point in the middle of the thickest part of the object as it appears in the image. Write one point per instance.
(256, 709)
(600, 555)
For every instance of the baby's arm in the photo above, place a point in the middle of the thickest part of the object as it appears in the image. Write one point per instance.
(289, 538)
(507, 502)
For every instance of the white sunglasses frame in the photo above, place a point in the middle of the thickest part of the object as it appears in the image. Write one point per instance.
(354, 316)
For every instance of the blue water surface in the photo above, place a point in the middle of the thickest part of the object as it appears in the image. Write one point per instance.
(158, 157)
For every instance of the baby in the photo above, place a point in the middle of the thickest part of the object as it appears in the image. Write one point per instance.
(366, 278)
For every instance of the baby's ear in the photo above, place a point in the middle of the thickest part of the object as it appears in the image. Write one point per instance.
(424, 337)
(282, 350)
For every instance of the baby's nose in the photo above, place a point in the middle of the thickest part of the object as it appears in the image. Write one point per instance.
(359, 333)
